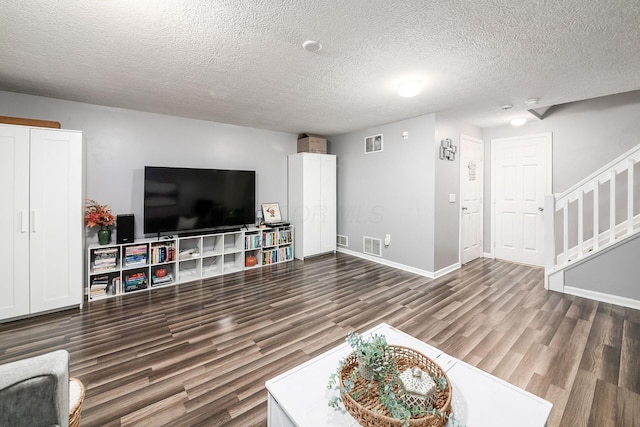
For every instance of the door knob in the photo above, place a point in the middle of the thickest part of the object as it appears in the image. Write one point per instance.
(464, 208)
(540, 209)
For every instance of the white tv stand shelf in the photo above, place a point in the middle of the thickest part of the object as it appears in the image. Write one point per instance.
(117, 269)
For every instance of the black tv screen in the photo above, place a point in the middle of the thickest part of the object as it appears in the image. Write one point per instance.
(185, 200)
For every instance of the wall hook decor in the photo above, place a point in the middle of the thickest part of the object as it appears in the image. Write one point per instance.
(447, 150)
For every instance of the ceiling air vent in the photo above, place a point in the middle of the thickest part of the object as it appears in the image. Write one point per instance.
(372, 246)
(342, 240)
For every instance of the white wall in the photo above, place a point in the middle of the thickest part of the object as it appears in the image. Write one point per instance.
(119, 143)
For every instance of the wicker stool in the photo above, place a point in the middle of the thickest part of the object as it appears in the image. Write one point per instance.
(76, 396)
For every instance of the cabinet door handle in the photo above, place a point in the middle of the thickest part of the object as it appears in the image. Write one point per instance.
(24, 222)
(33, 221)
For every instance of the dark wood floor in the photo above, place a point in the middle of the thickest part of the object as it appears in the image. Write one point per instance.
(199, 354)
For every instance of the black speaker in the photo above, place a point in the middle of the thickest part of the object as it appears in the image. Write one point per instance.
(125, 227)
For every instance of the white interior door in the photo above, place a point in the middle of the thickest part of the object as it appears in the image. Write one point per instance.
(521, 176)
(471, 197)
(328, 201)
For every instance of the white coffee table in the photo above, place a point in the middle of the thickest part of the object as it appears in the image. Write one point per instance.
(299, 397)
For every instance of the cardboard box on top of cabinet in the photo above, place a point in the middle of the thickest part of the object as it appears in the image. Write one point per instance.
(308, 143)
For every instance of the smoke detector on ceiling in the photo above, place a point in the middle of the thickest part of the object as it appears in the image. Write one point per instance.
(506, 107)
(312, 46)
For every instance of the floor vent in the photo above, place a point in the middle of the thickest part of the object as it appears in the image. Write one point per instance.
(372, 246)
(342, 240)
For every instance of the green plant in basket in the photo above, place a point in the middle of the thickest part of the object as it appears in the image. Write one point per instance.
(377, 365)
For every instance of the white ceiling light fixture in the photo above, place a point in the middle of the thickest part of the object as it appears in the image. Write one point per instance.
(409, 88)
(520, 121)
(312, 46)
(531, 102)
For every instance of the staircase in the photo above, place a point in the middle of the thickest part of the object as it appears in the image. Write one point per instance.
(593, 216)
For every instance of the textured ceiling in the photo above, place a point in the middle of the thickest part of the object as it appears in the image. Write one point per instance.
(241, 61)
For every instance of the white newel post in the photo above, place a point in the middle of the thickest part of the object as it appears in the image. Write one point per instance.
(549, 237)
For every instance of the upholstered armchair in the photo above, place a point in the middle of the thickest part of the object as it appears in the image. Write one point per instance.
(35, 392)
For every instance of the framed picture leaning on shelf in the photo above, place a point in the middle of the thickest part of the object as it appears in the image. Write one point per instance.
(271, 213)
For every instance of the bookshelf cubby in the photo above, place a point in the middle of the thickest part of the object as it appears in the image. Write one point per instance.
(150, 263)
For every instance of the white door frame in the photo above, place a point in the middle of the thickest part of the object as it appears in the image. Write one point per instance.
(480, 175)
(549, 186)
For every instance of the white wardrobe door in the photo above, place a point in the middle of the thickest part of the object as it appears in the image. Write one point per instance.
(312, 202)
(56, 219)
(14, 217)
(327, 187)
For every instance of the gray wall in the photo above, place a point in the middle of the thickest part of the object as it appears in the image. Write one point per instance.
(119, 143)
(586, 136)
(447, 215)
(614, 272)
(390, 192)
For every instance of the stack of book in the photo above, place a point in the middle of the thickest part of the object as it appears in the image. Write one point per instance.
(105, 259)
(164, 280)
(135, 255)
(135, 281)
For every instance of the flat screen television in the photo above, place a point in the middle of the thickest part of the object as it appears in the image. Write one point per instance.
(188, 200)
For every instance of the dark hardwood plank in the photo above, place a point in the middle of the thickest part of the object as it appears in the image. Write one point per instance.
(198, 354)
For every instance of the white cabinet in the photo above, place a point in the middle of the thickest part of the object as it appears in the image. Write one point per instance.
(312, 203)
(41, 217)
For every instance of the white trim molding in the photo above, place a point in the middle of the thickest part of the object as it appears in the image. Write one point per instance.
(418, 271)
(598, 296)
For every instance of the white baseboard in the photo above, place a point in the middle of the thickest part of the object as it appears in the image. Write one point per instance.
(598, 296)
(418, 271)
(446, 270)
(487, 255)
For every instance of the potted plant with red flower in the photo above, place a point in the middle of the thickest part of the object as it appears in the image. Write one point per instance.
(96, 215)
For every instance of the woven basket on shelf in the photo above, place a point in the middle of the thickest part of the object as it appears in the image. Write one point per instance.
(76, 397)
(368, 410)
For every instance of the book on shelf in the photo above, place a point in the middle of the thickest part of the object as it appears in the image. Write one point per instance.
(161, 280)
(135, 281)
(104, 259)
(106, 251)
(163, 253)
(252, 241)
(104, 286)
(269, 239)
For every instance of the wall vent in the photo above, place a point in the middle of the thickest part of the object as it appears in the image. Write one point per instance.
(373, 144)
(372, 246)
(342, 240)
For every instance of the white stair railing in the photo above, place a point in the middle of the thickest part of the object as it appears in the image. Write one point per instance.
(577, 213)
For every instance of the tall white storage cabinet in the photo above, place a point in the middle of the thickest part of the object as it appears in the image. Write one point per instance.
(312, 203)
(41, 220)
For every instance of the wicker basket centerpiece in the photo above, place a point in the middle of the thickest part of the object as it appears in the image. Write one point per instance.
(383, 399)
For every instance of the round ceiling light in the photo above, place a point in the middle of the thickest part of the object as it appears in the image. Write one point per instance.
(518, 121)
(312, 46)
(409, 88)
